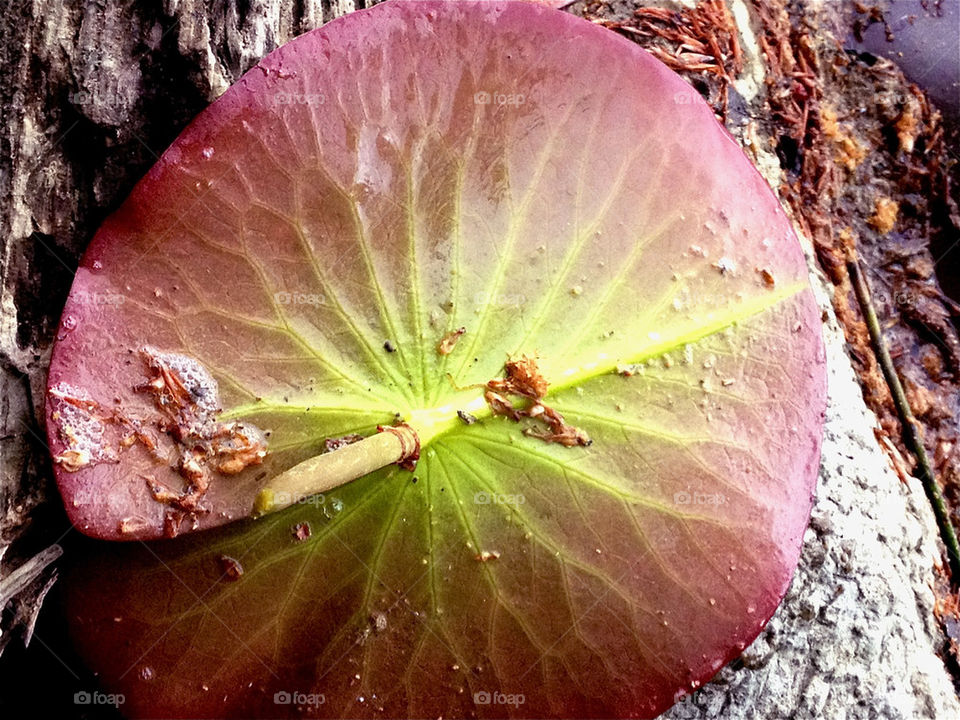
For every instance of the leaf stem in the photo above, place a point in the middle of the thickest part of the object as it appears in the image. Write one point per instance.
(398, 444)
(911, 436)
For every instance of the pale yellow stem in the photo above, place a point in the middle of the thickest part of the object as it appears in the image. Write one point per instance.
(330, 470)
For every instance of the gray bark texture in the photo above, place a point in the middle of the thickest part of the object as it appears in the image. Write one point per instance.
(92, 91)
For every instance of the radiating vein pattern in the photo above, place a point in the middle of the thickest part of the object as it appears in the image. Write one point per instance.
(311, 238)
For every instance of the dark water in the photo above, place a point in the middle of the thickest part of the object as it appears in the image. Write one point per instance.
(923, 38)
(925, 44)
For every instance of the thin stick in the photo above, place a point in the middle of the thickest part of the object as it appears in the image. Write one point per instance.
(321, 473)
(910, 435)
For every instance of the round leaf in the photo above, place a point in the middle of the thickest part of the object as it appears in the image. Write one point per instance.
(299, 256)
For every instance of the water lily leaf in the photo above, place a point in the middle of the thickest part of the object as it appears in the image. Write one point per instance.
(298, 267)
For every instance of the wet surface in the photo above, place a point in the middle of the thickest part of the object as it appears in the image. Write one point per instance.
(923, 38)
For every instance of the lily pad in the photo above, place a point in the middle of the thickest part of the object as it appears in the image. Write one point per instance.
(297, 268)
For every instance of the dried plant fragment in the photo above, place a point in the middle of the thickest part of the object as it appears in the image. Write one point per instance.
(909, 125)
(768, 279)
(81, 423)
(450, 340)
(188, 400)
(849, 152)
(133, 524)
(524, 378)
(524, 381)
(884, 215)
(559, 432)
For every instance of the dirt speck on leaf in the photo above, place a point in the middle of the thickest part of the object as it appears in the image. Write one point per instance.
(130, 525)
(450, 340)
(768, 279)
(379, 621)
(230, 567)
(301, 531)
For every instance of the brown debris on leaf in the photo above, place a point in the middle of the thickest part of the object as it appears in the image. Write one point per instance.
(230, 567)
(768, 278)
(81, 424)
(524, 381)
(450, 340)
(301, 531)
(524, 378)
(559, 431)
(132, 524)
(187, 398)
